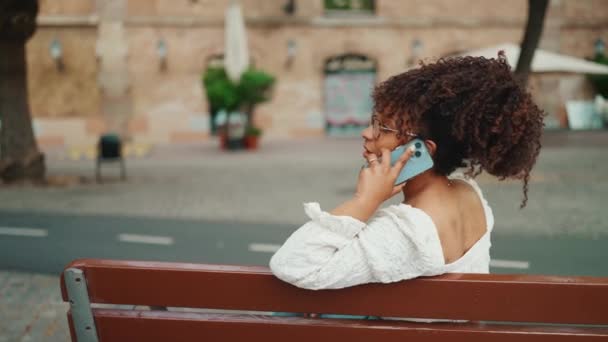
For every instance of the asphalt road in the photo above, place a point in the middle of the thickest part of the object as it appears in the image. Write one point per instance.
(46, 242)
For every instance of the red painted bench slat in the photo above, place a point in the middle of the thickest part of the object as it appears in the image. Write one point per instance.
(517, 298)
(151, 326)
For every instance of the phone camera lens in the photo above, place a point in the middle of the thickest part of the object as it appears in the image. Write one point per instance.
(418, 145)
(417, 154)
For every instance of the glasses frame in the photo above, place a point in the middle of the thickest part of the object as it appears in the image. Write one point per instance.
(378, 128)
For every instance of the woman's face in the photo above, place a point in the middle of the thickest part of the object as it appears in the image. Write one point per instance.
(380, 134)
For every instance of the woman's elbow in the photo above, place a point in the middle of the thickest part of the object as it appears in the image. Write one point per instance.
(293, 275)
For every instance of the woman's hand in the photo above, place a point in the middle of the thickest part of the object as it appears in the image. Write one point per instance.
(376, 182)
(376, 185)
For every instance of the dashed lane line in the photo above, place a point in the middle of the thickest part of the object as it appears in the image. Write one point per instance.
(28, 232)
(520, 265)
(263, 247)
(146, 239)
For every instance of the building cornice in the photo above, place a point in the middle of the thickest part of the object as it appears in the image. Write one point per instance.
(320, 21)
(67, 20)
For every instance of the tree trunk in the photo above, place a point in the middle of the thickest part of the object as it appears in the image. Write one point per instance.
(534, 29)
(249, 108)
(19, 155)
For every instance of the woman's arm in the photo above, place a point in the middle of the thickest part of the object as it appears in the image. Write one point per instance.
(357, 208)
(332, 252)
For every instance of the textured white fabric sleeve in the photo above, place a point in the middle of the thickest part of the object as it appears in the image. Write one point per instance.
(331, 252)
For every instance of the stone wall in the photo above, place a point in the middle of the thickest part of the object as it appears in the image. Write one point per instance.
(66, 7)
(73, 91)
(167, 103)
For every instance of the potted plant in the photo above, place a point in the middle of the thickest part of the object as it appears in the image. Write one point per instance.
(254, 87)
(252, 137)
(222, 95)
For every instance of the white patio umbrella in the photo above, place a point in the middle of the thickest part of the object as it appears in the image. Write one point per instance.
(236, 54)
(544, 61)
(236, 61)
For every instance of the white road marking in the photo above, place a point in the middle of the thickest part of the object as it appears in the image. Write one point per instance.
(521, 265)
(263, 247)
(149, 239)
(29, 232)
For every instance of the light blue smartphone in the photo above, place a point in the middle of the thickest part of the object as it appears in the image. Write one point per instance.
(419, 162)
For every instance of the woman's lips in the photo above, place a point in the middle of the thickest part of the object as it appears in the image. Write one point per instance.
(365, 151)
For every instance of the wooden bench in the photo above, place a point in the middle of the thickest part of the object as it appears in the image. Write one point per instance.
(538, 308)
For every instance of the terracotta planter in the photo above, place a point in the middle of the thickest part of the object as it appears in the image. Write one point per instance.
(231, 144)
(251, 142)
(223, 141)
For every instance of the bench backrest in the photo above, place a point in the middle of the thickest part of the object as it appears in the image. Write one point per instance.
(472, 297)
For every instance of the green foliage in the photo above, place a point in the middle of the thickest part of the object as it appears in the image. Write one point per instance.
(600, 82)
(253, 131)
(221, 92)
(253, 88)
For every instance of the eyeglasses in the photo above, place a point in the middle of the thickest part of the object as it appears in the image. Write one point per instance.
(378, 128)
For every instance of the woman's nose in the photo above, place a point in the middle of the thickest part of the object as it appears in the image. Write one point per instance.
(367, 133)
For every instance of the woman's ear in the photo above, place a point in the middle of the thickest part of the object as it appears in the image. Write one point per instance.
(431, 146)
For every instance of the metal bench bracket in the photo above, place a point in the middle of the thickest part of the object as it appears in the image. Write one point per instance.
(82, 315)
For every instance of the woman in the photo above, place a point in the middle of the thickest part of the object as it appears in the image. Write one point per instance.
(472, 115)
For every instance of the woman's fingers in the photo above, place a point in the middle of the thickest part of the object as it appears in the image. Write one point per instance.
(386, 158)
(371, 159)
(398, 188)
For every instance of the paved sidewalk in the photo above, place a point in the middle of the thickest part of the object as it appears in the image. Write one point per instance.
(31, 308)
(268, 186)
(567, 197)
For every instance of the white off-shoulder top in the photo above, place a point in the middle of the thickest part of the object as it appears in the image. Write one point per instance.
(399, 242)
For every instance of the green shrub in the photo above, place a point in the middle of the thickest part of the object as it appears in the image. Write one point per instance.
(253, 131)
(222, 93)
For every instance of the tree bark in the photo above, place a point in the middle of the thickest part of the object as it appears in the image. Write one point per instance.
(537, 10)
(20, 158)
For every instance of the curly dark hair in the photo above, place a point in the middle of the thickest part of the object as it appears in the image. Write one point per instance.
(475, 111)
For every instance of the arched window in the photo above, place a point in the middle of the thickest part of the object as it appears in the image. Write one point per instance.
(349, 80)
